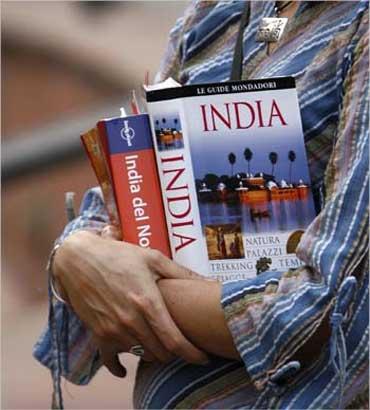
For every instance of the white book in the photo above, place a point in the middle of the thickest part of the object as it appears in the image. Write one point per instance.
(234, 175)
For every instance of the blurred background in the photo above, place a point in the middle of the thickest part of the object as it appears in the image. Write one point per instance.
(64, 66)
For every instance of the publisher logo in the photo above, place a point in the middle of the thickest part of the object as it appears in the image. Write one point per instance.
(127, 133)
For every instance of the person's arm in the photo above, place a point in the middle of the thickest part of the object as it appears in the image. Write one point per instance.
(196, 308)
(193, 304)
(81, 350)
(112, 287)
(274, 316)
(193, 301)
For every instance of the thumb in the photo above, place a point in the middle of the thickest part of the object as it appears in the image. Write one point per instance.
(111, 232)
(111, 361)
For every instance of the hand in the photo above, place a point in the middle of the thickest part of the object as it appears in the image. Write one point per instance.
(112, 287)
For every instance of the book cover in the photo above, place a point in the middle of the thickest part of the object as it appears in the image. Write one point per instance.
(234, 175)
(129, 147)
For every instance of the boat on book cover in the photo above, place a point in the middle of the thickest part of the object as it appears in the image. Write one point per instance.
(234, 175)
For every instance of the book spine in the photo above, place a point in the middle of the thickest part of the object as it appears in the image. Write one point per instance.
(91, 142)
(178, 187)
(135, 180)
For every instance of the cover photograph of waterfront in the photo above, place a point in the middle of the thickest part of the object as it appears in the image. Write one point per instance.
(253, 203)
(168, 132)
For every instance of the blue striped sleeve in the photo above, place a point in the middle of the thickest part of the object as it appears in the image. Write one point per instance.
(79, 357)
(274, 315)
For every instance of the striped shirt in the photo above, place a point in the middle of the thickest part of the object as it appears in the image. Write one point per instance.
(275, 318)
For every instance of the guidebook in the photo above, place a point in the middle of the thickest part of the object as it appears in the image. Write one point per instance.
(233, 172)
(121, 153)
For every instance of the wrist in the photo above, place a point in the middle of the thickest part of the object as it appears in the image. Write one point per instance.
(56, 289)
(65, 259)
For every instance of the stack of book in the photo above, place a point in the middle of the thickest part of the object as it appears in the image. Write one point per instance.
(213, 175)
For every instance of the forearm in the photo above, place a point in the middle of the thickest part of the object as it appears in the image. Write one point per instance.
(195, 306)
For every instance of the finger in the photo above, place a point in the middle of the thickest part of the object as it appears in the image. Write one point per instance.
(128, 341)
(169, 269)
(111, 361)
(111, 232)
(170, 335)
(153, 347)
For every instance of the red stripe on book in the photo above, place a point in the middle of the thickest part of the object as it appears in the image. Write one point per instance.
(139, 199)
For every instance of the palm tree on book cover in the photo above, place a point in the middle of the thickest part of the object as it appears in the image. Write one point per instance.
(291, 157)
(232, 160)
(248, 155)
(175, 121)
(273, 157)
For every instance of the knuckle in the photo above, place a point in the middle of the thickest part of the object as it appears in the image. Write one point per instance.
(174, 345)
(123, 320)
(188, 273)
(155, 257)
(142, 302)
(148, 305)
(132, 298)
(193, 274)
(127, 322)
